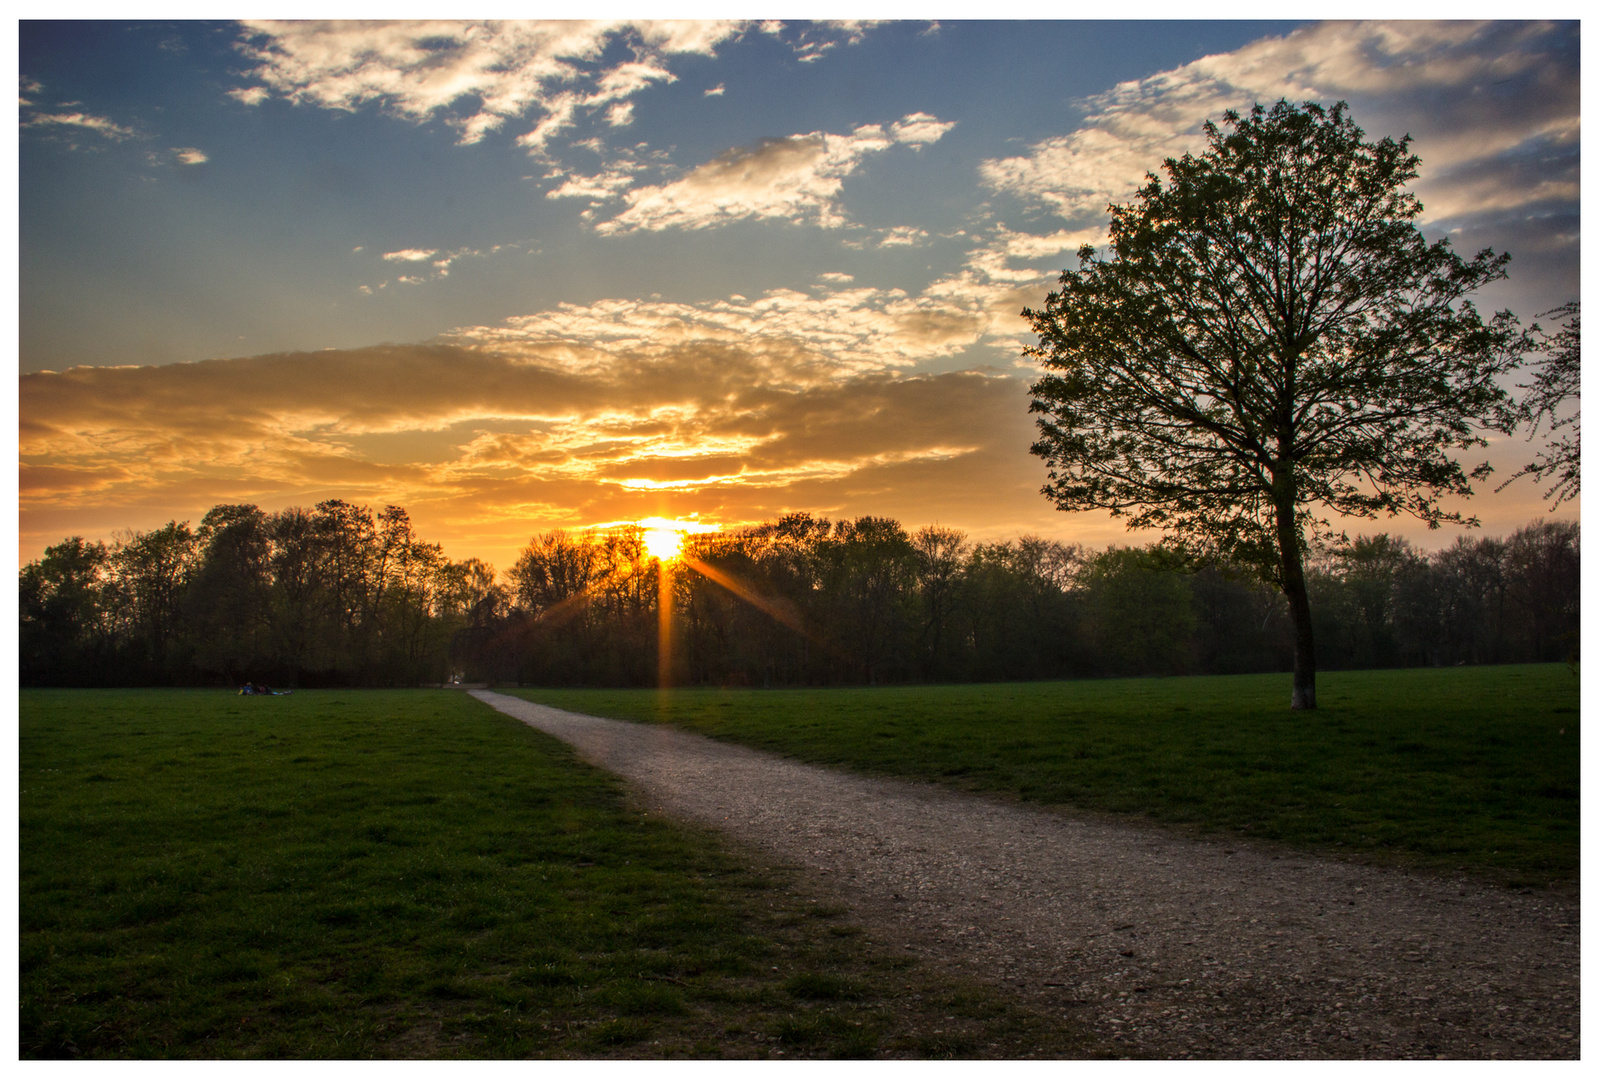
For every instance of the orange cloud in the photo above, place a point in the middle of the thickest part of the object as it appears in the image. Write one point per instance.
(470, 438)
(737, 411)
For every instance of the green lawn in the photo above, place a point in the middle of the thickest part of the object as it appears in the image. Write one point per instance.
(1439, 769)
(411, 874)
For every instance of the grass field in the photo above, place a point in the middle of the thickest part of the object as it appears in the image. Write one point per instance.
(411, 874)
(1475, 768)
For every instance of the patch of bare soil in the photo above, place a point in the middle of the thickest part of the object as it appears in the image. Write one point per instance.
(1168, 945)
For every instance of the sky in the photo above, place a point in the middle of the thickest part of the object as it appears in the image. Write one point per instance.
(515, 277)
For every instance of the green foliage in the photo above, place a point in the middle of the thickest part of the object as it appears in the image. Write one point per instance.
(1270, 323)
(1462, 767)
(1272, 339)
(801, 601)
(63, 639)
(1139, 612)
(348, 874)
(335, 595)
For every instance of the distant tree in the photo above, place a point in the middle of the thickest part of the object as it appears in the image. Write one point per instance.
(302, 627)
(1272, 339)
(1470, 586)
(148, 576)
(552, 572)
(1138, 610)
(1557, 382)
(869, 570)
(1541, 577)
(62, 636)
(1017, 618)
(940, 554)
(469, 586)
(1370, 568)
(227, 606)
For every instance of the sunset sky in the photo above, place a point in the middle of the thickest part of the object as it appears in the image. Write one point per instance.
(521, 276)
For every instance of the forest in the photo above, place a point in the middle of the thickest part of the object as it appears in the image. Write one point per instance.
(340, 595)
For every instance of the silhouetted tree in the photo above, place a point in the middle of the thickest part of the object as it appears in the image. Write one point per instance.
(939, 554)
(62, 638)
(228, 603)
(1138, 611)
(1541, 575)
(147, 576)
(1271, 339)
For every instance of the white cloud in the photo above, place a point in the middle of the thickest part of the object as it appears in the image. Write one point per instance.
(920, 128)
(1470, 93)
(834, 327)
(615, 177)
(438, 263)
(796, 178)
(717, 91)
(902, 236)
(85, 121)
(480, 75)
(853, 329)
(601, 187)
(188, 155)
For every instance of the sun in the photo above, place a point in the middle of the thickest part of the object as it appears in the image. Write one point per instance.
(664, 544)
(663, 537)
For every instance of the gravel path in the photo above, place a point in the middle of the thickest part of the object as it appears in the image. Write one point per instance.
(1173, 947)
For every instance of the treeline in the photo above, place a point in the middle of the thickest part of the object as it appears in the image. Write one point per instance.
(339, 595)
(805, 601)
(336, 595)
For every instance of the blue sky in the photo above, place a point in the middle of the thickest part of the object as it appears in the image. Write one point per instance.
(520, 276)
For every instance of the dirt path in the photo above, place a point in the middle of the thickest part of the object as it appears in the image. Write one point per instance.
(1175, 947)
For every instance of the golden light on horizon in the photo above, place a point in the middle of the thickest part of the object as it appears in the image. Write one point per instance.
(663, 544)
(663, 537)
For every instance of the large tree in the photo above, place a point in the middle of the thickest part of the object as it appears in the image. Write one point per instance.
(1270, 340)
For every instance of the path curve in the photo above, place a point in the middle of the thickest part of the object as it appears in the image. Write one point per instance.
(1171, 946)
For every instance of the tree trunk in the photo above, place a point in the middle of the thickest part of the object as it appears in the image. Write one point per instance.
(1304, 695)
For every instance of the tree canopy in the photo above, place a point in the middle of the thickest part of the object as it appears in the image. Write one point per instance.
(1271, 340)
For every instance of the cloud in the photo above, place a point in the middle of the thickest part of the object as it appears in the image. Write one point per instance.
(832, 330)
(581, 416)
(479, 75)
(902, 236)
(1474, 95)
(428, 264)
(188, 155)
(615, 177)
(838, 326)
(475, 432)
(80, 121)
(796, 178)
(716, 91)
